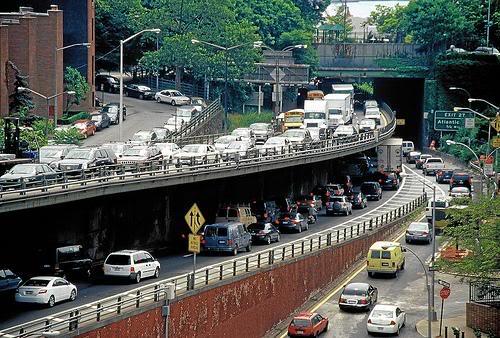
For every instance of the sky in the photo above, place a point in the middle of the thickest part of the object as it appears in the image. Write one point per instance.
(363, 9)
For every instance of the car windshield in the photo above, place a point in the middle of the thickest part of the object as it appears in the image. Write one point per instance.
(238, 145)
(354, 292)
(191, 148)
(368, 188)
(418, 227)
(117, 148)
(117, 259)
(303, 210)
(37, 282)
(367, 122)
(52, 153)
(344, 128)
(96, 118)
(83, 154)
(110, 109)
(274, 141)
(334, 112)
(141, 137)
(23, 169)
(259, 126)
(257, 226)
(293, 119)
(225, 139)
(240, 132)
(135, 152)
(294, 133)
(176, 94)
(381, 314)
(215, 231)
(315, 116)
(301, 322)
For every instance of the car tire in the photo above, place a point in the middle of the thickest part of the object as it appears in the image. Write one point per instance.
(278, 238)
(249, 247)
(157, 273)
(52, 301)
(307, 226)
(158, 100)
(72, 296)
(235, 251)
(138, 277)
(403, 265)
(268, 240)
(126, 93)
(398, 331)
(172, 102)
(141, 97)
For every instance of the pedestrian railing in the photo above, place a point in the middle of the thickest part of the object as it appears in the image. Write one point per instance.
(485, 292)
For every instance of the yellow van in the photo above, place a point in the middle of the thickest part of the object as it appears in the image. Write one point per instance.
(385, 257)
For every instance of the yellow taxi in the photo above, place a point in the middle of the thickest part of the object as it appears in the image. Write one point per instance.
(385, 258)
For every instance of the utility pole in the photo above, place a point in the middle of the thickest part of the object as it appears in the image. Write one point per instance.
(488, 25)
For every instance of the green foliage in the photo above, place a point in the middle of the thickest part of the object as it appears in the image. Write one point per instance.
(342, 17)
(245, 120)
(364, 87)
(74, 81)
(475, 228)
(307, 55)
(388, 20)
(68, 136)
(20, 101)
(312, 10)
(36, 135)
(70, 119)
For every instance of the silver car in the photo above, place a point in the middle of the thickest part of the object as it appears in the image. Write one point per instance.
(358, 296)
(418, 232)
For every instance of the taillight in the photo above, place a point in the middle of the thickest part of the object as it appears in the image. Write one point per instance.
(276, 222)
(363, 301)
(342, 300)
(425, 233)
(230, 242)
(393, 322)
(42, 291)
(312, 205)
(132, 269)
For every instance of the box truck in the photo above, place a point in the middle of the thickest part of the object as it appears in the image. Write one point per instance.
(315, 114)
(390, 155)
(339, 109)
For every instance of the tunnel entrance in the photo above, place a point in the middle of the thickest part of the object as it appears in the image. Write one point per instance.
(406, 98)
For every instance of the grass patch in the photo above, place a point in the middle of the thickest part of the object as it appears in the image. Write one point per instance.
(245, 120)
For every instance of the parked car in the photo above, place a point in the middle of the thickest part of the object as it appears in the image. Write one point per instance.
(87, 157)
(460, 192)
(444, 176)
(264, 232)
(419, 163)
(390, 181)
(262, 132)
(386, 319)
(222, 142)
(9, 282)
(168, 150)
(111, 109)
(412, 157)
(310, 213)
(52, 154)
(461, 179)
(367, 125)
(174, 97)
(161, 133)
(32, 173)
(118, 147)
(246, 134)
(197, 154)
(139, 91)
(198, 102)
(140, 154)
(133, 265)
(486, 50)
(344, 131)
(144, 137)
(432, 165)
(418, 232)
(407, 147)
(107, 83)
(359, 200)
(228, 237)
(265, 211)
(298, 136)
(358, 296)
(385, 258)
(46, 290)
(372, 190)
(338, 205)
(292, 221)
(241, 214)
(101, 120)
(275, 145)
(237, 149)
(307, 324)
(85, 127)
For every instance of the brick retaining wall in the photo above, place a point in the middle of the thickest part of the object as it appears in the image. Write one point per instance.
(483, 317)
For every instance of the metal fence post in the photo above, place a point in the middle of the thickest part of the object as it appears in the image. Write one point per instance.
(302, 248)
(138, 299)
(258, 260)
(357, 231)
(271, 257)
(98, 316)
(234, 268)
(247, 263)
(119, 307)
(283, 254)
(293, 250)
(311, 245)
(329, 239)
(221, 272)
(338, 236)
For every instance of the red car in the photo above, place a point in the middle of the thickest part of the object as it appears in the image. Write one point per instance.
(307, 324)
(85, 127)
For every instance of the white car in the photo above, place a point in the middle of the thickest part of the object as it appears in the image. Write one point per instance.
(298, 136)
(174, 97)
(117, 147)
(131, 264)
(275, 145)
(168, 150)
(237, 147)
(246, 134)
(45, 290)
(373, 113)
(460, 192)
(408, 146)
(367, 125)
(343, 130)
(197, 154)
(140, 154)
(386, 319)
(222, 142)
(143, 137)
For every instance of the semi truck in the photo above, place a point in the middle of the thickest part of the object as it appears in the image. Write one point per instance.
(315, 114)
(339, 109)
(390, 155)
(345, 88)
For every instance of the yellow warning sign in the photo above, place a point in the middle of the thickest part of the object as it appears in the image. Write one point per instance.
(496, 142)
(194, 219)
(496, 123)
(194, 243)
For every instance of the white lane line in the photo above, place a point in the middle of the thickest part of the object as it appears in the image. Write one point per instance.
(188, 255)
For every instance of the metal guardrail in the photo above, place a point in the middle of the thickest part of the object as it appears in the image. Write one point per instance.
(485, 292)
(94, 312)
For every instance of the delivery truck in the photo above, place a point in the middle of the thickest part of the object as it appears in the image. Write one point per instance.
(390, 155)
(339, 109)
(315, 114)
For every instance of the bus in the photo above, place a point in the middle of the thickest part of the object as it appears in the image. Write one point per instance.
(294, 119)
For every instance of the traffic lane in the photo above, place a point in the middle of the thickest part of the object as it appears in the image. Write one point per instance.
(141, 115)
(407, 291)
(173, 265)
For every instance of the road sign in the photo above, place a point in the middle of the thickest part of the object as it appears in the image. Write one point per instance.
(444, 292)
(496, 123)
(400, 122)
(453, 120)
(496, 142)
(277, 74)
(194, 219)
(194, 243)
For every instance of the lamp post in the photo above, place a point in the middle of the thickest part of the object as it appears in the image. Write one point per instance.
(480, 115)
(462, 90)
(85, 44)
(47, 98)
(122, 42)
(484, 101)
(225, 50)
(451, 142)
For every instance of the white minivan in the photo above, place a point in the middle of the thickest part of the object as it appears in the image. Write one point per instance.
(131, 264)
(408, 146)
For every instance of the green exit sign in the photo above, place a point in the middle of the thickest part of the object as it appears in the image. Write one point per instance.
(453, 120)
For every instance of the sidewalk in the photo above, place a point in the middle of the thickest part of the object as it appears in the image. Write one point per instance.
(458, 322)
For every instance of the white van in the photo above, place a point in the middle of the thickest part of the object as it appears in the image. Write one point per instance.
(408, 146)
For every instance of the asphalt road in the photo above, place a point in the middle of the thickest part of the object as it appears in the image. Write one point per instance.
(141, 115)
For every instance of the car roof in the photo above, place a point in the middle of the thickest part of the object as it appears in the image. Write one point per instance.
(359, 286)
(385, 307)
(222, 224)
(125, 252)
(45, 277)
(304, 315)
(419, 223)
(385, 245)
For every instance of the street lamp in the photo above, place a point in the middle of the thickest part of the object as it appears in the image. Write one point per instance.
(122, 42)
(484, 101)
(463, 90)
(481, 115)
(256, 44)
(85, 44)
(47, 98)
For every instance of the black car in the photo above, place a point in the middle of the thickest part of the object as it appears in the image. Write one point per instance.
(308, 212)
(372, 190)
(107, 83)
(111, 109)
(9, 282)
(139, 91)
(101, 120)
(265, 210)
(264, 232)
(461, 179)
(390, 182)
(444, 176)
(359, 200)
(293, 221)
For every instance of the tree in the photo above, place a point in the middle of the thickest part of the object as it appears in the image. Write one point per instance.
(68, 136)
(19, 100)
(475, 228)
(74, 81)
(342, 17)
(388, 20)
(312, 10)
